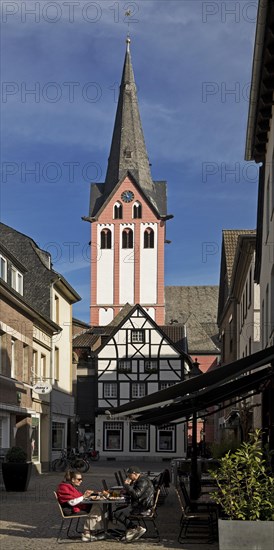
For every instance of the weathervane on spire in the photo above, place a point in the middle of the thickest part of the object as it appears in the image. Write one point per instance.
(128, 14)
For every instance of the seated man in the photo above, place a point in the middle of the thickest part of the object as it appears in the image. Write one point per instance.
(141, 492)
(71, 500)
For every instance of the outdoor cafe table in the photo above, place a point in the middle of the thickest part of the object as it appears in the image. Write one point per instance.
(106, 503)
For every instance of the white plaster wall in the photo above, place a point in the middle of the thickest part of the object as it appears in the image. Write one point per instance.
(105, 268)
(267, 260)
(256, 296)
(148, 266)
(151, 312)
(41, 343)
(250, 328)
(257, 326)
(105, 315)
(128, 455)
(126, 269)
(63, 341)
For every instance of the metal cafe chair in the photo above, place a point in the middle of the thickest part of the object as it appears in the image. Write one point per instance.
(69, 519)
(198, 504)
(117, 478)
(159, 483)
(196, 525)
(104, 485)
(122, 479)
(149, 519)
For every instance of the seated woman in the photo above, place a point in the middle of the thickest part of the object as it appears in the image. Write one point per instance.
(71, 500)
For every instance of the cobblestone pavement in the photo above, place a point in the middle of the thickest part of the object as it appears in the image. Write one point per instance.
(30, 520)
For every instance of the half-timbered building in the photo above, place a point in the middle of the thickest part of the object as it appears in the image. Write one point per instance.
(132, 357)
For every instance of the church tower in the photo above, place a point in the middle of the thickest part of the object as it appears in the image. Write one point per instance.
(128, 214)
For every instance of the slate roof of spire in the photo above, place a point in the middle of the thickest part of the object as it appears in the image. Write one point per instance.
(128, 153)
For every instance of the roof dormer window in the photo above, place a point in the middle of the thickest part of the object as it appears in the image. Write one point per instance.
(3, 268)
(16, 280)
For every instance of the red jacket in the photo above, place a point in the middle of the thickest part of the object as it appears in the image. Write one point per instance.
(65, 492)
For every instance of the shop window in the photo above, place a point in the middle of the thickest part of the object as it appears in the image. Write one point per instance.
(166, 439)
(139, 438)
(58, 436)
(113, 436)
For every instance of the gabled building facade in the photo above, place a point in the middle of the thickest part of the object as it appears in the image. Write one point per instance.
(239, 326)
(35, 337)
(128, 213)
(132, 357)
(247, 414)
(260, 148)
(227, 303)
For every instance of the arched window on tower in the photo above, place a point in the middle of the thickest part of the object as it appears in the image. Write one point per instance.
(149, 238)
(137, 210)
(105, 238)
(127, 238)
(118, 211)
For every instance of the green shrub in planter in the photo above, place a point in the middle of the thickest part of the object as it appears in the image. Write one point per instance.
(16, 454)
(246, 486)
(16, 470)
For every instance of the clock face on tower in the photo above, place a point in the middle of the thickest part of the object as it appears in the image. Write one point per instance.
(127, 196)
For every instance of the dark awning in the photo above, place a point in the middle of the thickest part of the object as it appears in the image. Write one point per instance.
(206, 398)
(203, 390)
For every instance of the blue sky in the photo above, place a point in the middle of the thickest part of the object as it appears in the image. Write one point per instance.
(192, 62)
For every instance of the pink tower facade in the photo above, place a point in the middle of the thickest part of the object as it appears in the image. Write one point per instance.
(128, 218)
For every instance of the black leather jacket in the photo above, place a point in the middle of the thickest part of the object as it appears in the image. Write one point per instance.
(141, 493)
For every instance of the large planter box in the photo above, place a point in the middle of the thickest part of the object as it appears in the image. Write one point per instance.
(16, 477)
(245, 535)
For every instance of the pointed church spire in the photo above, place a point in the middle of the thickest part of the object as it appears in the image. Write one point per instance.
(128, 149)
